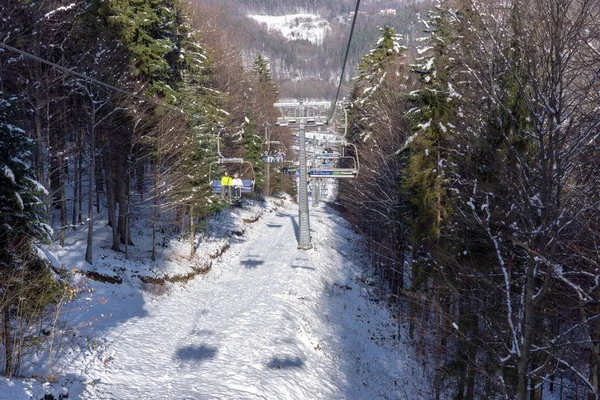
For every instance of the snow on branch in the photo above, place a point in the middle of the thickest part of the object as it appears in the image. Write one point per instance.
(9, 174)
(59, 9)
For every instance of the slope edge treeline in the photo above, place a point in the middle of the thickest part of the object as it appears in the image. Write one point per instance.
(479, 193)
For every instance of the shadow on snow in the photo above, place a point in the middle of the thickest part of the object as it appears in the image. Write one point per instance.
(195, 353)
(285, 362)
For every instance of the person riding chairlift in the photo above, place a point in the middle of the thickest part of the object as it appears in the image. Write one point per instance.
(226, 183)
(237, 186)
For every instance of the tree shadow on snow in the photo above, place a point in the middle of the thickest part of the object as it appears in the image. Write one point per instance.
(372, 357)
(235, 240)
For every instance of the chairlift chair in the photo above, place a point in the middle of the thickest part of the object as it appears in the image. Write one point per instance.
(248, 184)
(335, 165)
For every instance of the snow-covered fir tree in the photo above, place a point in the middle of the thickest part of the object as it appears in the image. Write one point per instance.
(27, 285)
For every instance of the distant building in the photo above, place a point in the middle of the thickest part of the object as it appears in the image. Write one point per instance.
(387, 11)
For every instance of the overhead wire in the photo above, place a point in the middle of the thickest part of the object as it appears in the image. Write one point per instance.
(345, 59)
(98, 82)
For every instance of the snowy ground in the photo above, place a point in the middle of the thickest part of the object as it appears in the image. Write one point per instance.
(268, 321)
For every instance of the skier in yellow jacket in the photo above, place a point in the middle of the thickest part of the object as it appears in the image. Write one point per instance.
(226, 182)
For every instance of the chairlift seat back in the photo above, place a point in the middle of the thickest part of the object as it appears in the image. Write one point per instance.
(333, 173)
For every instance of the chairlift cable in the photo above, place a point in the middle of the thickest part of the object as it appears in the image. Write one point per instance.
(345, 59)
(98, 82)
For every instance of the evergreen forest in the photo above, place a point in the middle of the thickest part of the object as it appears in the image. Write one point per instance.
(307, 70)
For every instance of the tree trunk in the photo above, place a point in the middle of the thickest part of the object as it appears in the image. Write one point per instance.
(155, 216)
(156, 212)
(56, 148)
(92, 168)
(8, 349)
(122, 196)
(76, 177)
(183, 221)
(100, 184)
(139, 174)
(63, 203)
(38, 154)
(524, 359)
(80, 181)
(121, 179)
(63, 165)
(41, 137)
(157, 162)
(437, 314)
(153, 256)
(127, 213)
(75, 187)
(192, 233)
(111, 203)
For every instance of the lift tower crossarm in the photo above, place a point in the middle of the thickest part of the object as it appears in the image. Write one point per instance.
(310, 113)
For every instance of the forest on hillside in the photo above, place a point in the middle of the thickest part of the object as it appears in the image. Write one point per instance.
(327, 8)
(296, 62)
(479, 193)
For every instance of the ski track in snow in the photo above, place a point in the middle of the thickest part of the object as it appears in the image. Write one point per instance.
(268, 321)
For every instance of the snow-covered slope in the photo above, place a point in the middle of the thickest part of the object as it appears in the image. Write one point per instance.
(309, 27)
(268, 321)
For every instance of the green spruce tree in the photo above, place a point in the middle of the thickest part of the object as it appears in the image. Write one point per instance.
(26, 284)
(372, 74)
(148, 30)
(21, 211)
(262, 69)
(432, 120)
(427, 179)
(252, 144)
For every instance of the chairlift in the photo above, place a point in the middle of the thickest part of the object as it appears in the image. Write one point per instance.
(329, 165)
(334, 165)
(247, 184)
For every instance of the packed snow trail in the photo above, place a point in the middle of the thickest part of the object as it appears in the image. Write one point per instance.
(269, 321)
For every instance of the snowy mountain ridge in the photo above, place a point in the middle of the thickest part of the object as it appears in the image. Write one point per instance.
(310, 27)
